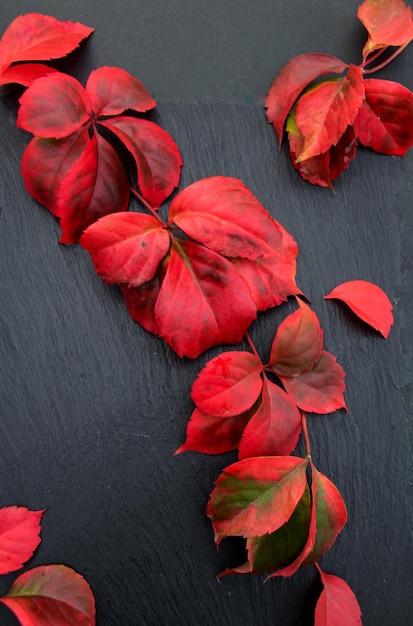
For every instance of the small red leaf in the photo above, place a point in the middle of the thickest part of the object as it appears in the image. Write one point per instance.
(256, 496)
(156, 155)
(388, 23)
(324, 113)
(51, 595)
(54, 107)
(319, 390)
(298, 343)
(126, 247)
(368, 302)
(292, 79)
(337, 604)
(19, 536)
(112, 91)
(221, 213)
(275, 427)
(228, 385)
(385, 120)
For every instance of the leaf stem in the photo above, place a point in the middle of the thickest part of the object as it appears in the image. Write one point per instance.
(147, 205)
(374, 55)
(305, 433)
(251, 344)
(388, 60)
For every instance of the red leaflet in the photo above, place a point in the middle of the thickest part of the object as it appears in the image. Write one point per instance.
(36, 37)
(52, 595)
(83, 179)
(293, 78)
(19, 536)
(385, 120)
(368, 302)
(388, 23)
(256, 496)
(337, 604)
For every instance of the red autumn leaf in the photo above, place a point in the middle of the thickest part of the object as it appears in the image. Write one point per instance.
(19, 536)
(319, 390)
(51, 595)
(228, 385)
(388, 23)
(385, 120)
(368, 302)
(298, 343)
(337, 604)
(141, 301)
(324, 113)
(256, 496)
(275, 427)
(292, 79)
(36, 37)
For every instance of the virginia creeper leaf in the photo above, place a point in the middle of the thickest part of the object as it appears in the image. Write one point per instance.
(36, 37)
(25, 73)
(228, 385)
(385, 119)
(51, 595)
(298, 343)
(112, 91)
(141, 301)
(368, 302)
(324, 113)
(19, 536)
(126, 247)
(337, 604)
(275, 427)
(158, 160)
(217, 212)
(256, 496)
(95, 186)
(388, 23)
(319, 390)
(292, 79)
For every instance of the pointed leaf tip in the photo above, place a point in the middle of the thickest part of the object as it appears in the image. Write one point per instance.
(337, 604)
(19, 536)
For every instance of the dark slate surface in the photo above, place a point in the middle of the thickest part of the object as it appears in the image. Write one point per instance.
(92, 407)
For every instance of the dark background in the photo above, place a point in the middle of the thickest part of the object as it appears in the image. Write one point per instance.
(92, 407)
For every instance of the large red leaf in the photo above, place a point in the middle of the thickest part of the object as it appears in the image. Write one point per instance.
(275, 427)
(126, 247)
(324, 113)
(256, 496)
(112, 91)
(319, 390)
(51, 595)
(388, 23)
(221, 213)
(298, 343)
(19, 536)
(292, 79)
(203, 301)
(36, 37)
(368, 301)
(94, 186)
(385, 120)
(54, 107)
(156, 155)
(337, 604)
(229, 384)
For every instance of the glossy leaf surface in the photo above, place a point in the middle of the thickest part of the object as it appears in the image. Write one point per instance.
(368, 301)
(19, 536)
(337, 604)
(388, 23)
(51, 595)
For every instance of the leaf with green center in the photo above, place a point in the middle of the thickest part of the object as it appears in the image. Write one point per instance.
(298, 343)
(228, 385)
(19, 536)
(324, 113)
(51, 595)
(385, 120)
(319, 390)
(256, 496)
(275, 427)
(292, 79)
(337, 604)
(368, 301)
(388, 23)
